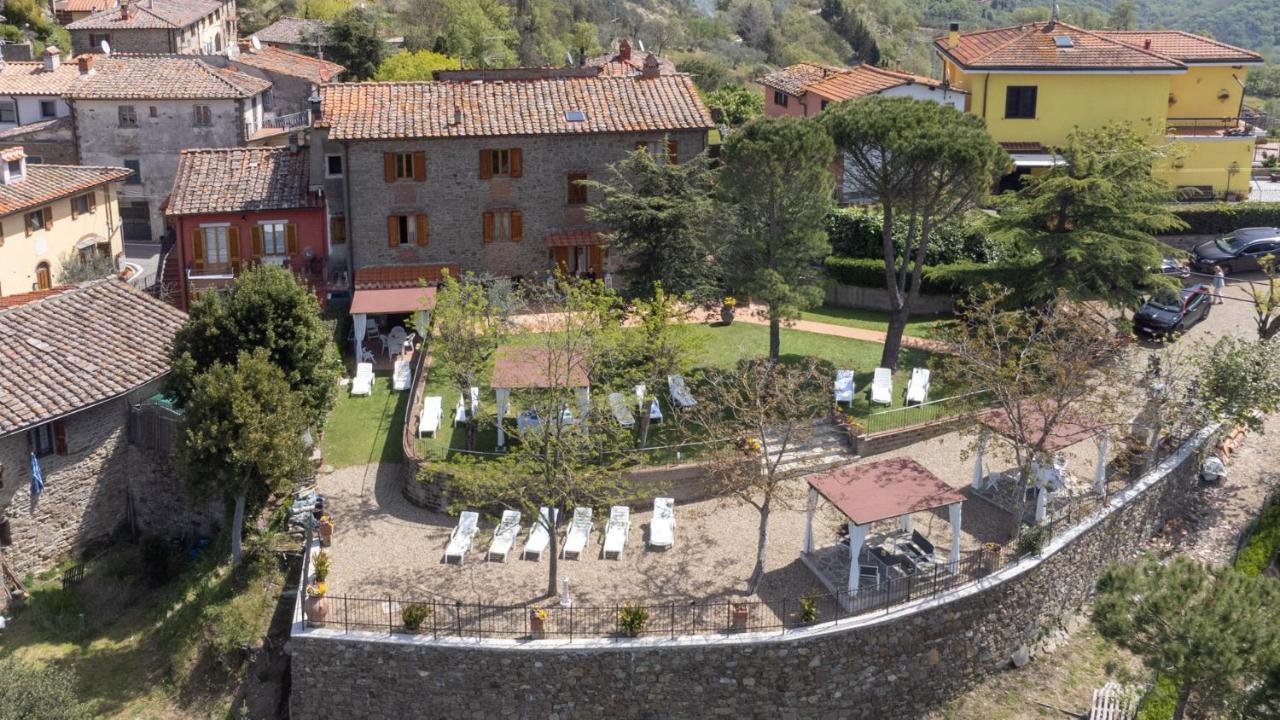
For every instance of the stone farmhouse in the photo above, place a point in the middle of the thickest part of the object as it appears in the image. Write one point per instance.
(291, 33)
(188, 27)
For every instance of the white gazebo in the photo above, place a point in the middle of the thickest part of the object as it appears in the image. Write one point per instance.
(524, 368)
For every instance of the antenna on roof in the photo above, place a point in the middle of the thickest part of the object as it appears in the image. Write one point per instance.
(255, 42)
(106, 47)
(641, 44)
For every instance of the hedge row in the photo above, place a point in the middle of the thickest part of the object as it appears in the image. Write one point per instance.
(1218, 218)
(1263, 543)
(953, 279)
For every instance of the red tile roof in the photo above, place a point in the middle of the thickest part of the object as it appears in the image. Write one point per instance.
(1033, 416)
(9, 301)
(574, 237)
(30, 78)
(1184, 46)
(151, 15)
(241, 180)
(866, 80)
(401, 276)
(291, 30)
(123, 77)
(283, 62)
(627, 61)
(517, 367)
(78, 347)
(373, 111)
(52, 126)
(884, 489)
(45, 183)
(795, 78)
(86, 5)
(1033, 47)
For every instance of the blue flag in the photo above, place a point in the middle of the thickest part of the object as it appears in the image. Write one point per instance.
(37, 478)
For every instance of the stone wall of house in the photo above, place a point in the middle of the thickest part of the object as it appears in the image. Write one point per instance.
(893, 665)
(149, 40)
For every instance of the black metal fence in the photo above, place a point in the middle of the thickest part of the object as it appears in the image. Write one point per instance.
(925, 412)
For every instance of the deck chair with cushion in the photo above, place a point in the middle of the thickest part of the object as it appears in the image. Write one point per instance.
(882, 387)
(662, 529)
(680, 392)
(615, 533)
(621, 410)
(362, 383)
(402, 376)
(540, 534)
(844, 386)
(504, 536)
(655, 410)
(432, 411)
(460, 412)
(918, 388)
(463, 534)
(575, 539)
(918, 549)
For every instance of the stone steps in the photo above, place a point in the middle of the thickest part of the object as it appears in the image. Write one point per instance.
(825, 447)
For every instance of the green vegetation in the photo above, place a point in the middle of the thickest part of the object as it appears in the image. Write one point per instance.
(736, 103)
(1160, 700)
(352, 41)
(857, 232)
(632, 619)
(1221, 218)
(367, 429)
(47, 694)
(418, 65)
(958, 279)
(78, 267)
(1264, 542)
(919, 326)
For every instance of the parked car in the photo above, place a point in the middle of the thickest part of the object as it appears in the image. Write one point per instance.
(1175, 268)
(1237, 252)
(1170, 311)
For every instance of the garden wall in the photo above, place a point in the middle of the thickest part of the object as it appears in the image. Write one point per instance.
(892, 665)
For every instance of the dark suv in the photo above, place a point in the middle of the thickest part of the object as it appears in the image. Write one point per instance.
(1171, 312)
(1237, 252)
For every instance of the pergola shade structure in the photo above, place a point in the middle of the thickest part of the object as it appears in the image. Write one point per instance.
(384, 301)
(525, 368)
(866, 493)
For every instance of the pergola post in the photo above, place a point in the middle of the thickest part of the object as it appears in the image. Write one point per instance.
(978, 471)
(358, 322)
(857, 536)
(504, 396)
(1042, 501)
(954, 511)
(1100, 472)
(583, 396)
(904, 523)
(808, 520)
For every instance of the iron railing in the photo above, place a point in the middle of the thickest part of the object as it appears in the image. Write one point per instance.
(953, 406)
(298, 119)
(1206, 126)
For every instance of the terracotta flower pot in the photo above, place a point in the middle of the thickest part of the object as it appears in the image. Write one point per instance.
(537, 626)
(317, 610)
(325, 530)
(726, 314)
(741, 616)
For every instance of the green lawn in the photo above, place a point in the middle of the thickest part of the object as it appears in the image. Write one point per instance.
(923, 326)
(365, 429)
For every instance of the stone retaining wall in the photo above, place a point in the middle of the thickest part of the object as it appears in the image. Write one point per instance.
(878, 666)
(884, 441)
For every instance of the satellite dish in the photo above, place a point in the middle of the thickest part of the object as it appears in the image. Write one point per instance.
(106, 47)
(255, 42)
(568, 57)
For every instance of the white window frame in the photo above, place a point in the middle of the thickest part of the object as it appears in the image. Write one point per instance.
(502, 225)
(326, 165)
(222, 231)
(276, 230)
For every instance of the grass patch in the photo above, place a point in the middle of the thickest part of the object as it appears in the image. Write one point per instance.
(366, 429)
(924, 326)
(1263, 543)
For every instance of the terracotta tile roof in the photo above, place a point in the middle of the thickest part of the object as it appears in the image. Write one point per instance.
(1033, 47)
(124, 77)
(367, 111)
(30, 78)
(149, 15)
(866, 80)
(79, 347)
(401, 276)
(290, 30)
(574, 237)
(283, 62)
(627, 61)
(86, 5)
(516, 367)
(241, 180)
(794, 79)
(9, 301)
(45, 183)
(884, 489)
(39, 126)
(1183, 46)
(1068, 428)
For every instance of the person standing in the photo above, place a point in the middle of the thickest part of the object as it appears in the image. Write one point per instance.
(1219, 282)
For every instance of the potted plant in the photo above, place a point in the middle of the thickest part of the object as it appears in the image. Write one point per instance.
(990, 554)
(324, 529)
(413, 615)
(632, 619)
(538, 623)
(317, 606)
(320, 565)
(727, 308)
(808, 612)
(741, 616)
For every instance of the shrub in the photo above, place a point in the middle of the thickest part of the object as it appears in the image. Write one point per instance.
(159, 561)
(632, 619)
(1263, 543)
(1219, 218)
(48, 693)
(1032, 540)
(413, 615)
(808, 612)
(954, 279)
(855, 232)
(1159, 702)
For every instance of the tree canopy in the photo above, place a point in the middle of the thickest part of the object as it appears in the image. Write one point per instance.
(352, 41)
(28, 693)
(419, 65)
(736, 103)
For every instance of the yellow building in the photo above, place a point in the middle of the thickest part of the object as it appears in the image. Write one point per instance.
(1035, 83)
(49, 213)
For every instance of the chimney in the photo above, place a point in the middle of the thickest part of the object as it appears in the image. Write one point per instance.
(51, 58)
(652, 68)
(315, 104)
(953, 35)
(624, 50)
(126, 10)
(1146, 44)
(86, 64)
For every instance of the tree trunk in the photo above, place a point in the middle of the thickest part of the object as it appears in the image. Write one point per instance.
(642, 430)
(893, 338)
(553, 567)
(775, 335)
(757, 574)
(1015, 527)
(1184, 694)
(237, 525)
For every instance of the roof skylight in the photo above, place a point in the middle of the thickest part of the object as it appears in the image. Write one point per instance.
(575, 116)
(1063, 41)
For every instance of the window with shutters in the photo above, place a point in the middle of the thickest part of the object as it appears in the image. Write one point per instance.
(41, 219)
(780, 98)
(576, 192)
(202, 116)
(136, 177)
(501, 162)
(406, 230)
(273, 238)
(503, 226)
(81, 205)
(216, 248)
(660, 152)
(128, 115)
(40, 438)
(404, 166)
(44, 277)
(337, 230)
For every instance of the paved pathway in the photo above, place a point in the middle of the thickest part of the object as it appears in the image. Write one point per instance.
(756, 315)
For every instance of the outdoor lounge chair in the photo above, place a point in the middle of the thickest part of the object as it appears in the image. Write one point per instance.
(539, 534)
(662, 528)
(575, 539)
(504, 536)
(844, 386)
(463, 534)
(402, 376)
(680, 392)
(655, 410)
(615, 533)
(432, 411)
(918, 388)
(882, 387)
(621, 410)
(918, 550)
(362, 383)
(460, 412)
(475, 401)
(897, 563)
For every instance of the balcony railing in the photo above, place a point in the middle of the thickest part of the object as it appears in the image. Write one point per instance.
(1208, 127)
(288, 122)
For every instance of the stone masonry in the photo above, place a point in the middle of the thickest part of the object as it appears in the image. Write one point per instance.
(896, 665)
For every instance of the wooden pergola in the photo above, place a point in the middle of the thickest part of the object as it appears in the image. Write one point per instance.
(525, 368)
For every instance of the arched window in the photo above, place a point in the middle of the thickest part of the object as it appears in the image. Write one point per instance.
(43, 279)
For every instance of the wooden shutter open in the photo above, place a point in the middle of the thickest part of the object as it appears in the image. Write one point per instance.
(197, 248)
(595, 257)
(291, 239)
(488, 226)
(517, 226)
(673, 152)
(93, 202)
(26, 223)
(255, 240)
(338, 230)
(393, 231)
(74, 214)
(233, 246)
(486, 164)
(389, 167)
(420, 166)
(48, 217)
(517, 162)
(59, 437)
(420, 229)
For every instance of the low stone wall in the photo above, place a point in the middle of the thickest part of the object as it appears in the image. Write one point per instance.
(865, 298)
(892, 665)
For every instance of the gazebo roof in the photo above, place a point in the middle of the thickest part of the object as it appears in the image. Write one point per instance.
(1068, 428)
(519, 368)
(867, 492)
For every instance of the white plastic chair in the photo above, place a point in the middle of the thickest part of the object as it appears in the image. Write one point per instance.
(460, 539)
(621, 411)
(402, 375)
(615, 533)
(432, 411)
(505, 535)
(362, 383)
(460, 412)
(575, 539)
(918, 388)
(680, 392)
(882, 387)
(844, 386)
(662, 528)
(540, 534)
(655, 409)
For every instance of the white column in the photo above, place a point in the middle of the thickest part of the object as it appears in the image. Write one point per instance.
(1042, 500)
(978, 473)
(583, 396)
(424, 321)
(857, 536)
(504, 396)
(808, 520)
(1100, 472)
(904, 523)
(954, 511)
(358, 322)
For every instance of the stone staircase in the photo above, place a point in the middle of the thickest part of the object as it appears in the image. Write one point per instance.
(821, 447)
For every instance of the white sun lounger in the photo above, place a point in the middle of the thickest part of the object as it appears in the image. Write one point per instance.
(460, 412)
(621, 410)
(432, 411)
(575, 539)
(615, 533)
(460, 540)
(402, 377)
(475, 401)
(844, 386)
(662, 529)
(680, 392)
(504, 536)
(655, 410)
(362, 383)
(882, 387)
(539, 534)
(918, 388)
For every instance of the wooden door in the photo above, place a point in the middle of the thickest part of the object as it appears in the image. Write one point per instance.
(561, 257)
(43, 281)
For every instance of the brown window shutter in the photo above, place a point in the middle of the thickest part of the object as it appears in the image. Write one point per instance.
(420, 229)
(93, 202)
(74, 214)
(517, 162)
(291, 239)
(26, 223)
(59, 437)
(673, 152)
(255, 240)
(389, 167)
(338, 230)
(233, 246)
(420, 166)
(197, 248)
(488, 227)
(517, 226)
(486, 164)
(48, 218)
(393, 231)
